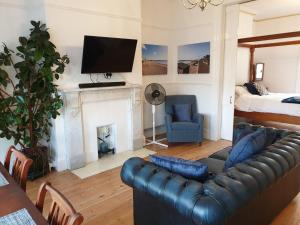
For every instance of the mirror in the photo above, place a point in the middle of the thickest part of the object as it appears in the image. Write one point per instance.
(259, 71)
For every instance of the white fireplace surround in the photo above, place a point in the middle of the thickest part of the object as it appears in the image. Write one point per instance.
(75, 131)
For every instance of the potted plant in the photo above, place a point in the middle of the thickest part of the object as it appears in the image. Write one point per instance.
(29, 99)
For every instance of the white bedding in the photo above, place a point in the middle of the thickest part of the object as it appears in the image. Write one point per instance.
(268, 103)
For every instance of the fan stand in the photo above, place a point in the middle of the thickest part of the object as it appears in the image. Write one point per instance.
(154, 141)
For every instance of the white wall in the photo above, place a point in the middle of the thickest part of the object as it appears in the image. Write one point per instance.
(281, 68)
(277, 25)
(69, 21)
(176, 26)
(282, 64)
(157, 28)
(245, 30)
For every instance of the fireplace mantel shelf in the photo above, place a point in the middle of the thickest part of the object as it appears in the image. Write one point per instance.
(128, 86)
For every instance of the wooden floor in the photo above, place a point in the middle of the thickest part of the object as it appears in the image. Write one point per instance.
(104, 200)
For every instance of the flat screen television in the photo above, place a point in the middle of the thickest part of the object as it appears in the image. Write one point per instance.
(107, 55)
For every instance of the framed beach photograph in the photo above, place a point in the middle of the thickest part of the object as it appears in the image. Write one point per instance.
(155, 59)
(194, 58)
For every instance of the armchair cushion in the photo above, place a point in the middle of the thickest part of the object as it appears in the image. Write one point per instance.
(186, 168)
(182, 112)
(187, 126)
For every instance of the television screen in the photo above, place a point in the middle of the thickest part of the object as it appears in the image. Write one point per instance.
(107, 55)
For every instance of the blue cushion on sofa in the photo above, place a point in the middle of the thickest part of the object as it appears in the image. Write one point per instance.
(271, 136)
(243, 129)
(186, 168)
(182, 112)
(238, 134)
(248, 146)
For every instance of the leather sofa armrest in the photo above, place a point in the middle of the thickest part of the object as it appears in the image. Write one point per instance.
(190, 198)
(168, 121)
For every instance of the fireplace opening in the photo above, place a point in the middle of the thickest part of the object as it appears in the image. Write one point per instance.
(106, 140)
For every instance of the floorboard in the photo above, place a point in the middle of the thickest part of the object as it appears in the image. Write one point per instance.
(104, 200)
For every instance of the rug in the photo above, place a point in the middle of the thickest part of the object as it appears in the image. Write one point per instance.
(109, 162)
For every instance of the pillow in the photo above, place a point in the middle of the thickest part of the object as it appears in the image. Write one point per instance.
(260, 87)
(186, 168)
(271, 136)
(248, 146)
(238, 134)
(251, 88)
(241, 90)
(182, 112)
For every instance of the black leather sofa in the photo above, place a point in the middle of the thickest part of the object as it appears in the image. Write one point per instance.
(251, 193)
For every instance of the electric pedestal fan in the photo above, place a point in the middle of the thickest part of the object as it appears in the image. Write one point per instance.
(155, 95)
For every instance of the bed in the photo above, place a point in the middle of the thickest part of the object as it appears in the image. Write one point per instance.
(266, 107)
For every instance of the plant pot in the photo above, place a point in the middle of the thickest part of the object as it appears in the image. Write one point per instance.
(40, 166)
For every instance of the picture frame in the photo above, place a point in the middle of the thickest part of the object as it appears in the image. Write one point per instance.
(194, 58)
(155, 59)
(259, 71)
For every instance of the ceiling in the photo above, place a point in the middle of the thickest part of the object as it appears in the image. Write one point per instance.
(266, 9)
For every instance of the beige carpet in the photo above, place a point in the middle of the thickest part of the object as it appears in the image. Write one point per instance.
(109, 162)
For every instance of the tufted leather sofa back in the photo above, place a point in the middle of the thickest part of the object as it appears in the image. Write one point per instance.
(219, 198)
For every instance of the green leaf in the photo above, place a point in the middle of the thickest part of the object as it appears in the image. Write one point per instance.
(8, 136)
(43, 27)
(33, 23)
(21, 49)
(6, 50)
(60, 69)
(22, 40)
(3, 77)
(3, 74)
(20, 55)
(38, 55)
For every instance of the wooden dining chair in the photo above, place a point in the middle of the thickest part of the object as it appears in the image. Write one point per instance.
(20, 168)
(61, 211)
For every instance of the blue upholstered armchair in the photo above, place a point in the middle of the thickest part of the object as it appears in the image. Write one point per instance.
(183, 131)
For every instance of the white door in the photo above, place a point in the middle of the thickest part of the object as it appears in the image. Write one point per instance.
(230, 70)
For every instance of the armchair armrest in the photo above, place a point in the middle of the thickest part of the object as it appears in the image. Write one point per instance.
(188, 197)
(168, 121)
(198, 118)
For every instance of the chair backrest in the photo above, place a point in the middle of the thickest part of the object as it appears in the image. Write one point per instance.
(61, 211)
(20, 168)
(180, 99)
